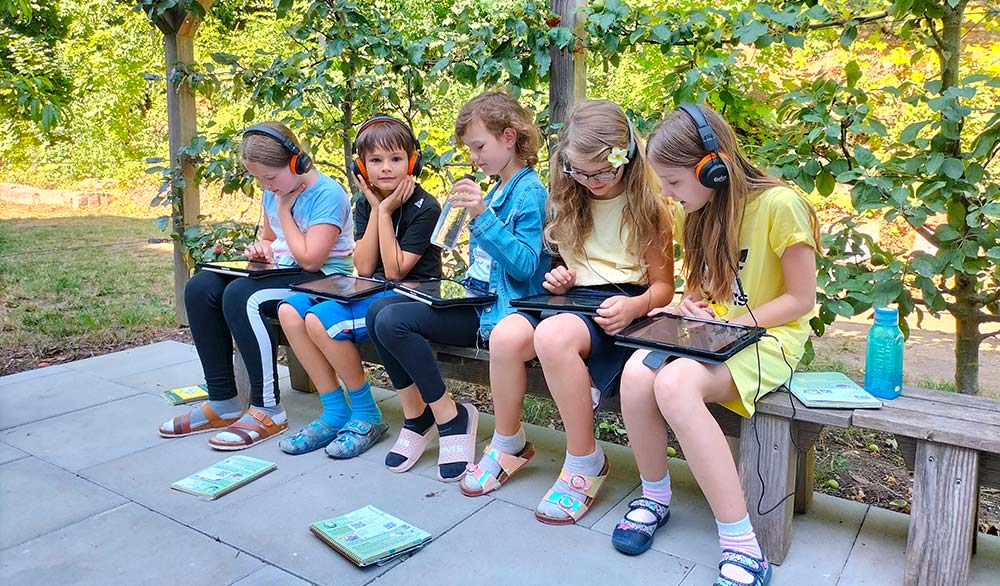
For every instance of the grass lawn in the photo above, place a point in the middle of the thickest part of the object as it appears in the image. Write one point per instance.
(75, 285)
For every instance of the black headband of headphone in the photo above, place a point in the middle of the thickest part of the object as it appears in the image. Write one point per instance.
(632, 146)
(380, 119)
(708, 139)
(281, 138)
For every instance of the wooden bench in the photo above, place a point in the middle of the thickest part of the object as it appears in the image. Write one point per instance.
(951, 442)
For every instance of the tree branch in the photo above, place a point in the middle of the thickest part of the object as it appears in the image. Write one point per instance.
(858, 20)
(927, 234)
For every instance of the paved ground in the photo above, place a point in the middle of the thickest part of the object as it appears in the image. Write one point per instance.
(85, 499)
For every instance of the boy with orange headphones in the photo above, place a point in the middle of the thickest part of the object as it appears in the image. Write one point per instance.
(392, 227)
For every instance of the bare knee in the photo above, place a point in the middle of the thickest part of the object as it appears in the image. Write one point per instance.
(512, 338)
(561, 336)
(289, 317)
(637, 380)
(675, 393)
(315, 328)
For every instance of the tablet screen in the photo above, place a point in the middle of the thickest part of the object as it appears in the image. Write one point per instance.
(570, 302)
(244, 265)
(442, 289)
(682, 332)
(341, 286)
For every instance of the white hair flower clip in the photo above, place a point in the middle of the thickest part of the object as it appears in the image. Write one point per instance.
(618, 157)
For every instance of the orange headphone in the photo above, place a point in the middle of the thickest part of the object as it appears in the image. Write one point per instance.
(416, 164)
(300, 163)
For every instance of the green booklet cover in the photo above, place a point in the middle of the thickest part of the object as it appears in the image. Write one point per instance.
(182, 395)
(224, 477)
(369, 536)
(831, 390)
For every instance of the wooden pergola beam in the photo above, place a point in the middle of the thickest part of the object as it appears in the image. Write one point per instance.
(179, 28)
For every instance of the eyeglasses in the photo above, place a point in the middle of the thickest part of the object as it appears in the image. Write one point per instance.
(601, 177)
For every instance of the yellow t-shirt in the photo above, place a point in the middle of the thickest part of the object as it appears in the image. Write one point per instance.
(605, 258)
(774, 220)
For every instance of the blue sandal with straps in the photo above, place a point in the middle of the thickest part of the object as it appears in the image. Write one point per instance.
(355, 438)
(758, 568)
(634, 537)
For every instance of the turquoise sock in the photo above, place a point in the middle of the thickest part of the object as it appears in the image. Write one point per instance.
(363, 405)
(336, 411)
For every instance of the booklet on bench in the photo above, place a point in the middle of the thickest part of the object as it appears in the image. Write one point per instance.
(831, 390)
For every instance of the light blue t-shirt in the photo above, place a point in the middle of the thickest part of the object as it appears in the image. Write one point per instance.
(324, 202)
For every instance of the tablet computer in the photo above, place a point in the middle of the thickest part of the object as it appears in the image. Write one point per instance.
(444, 292)
(246, 268)
(585, 302)
(701, 339)
(341, 287)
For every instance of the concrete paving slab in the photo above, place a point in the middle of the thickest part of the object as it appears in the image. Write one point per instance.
(38, 498)
(691, 532)
(30, 374)
(879, 554)
(146, 476)
(270, 576)
(9, 453)
(125, 546)
(98, 434)
(135, 360)
(274, 525)
(536, 478)
(157, 380)
(822, 541)
(63, 392)
(700, 576)
(532, 553)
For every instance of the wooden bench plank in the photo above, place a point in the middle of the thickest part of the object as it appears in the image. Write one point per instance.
(939, 544)
(973, 402)
(926, 426)
(940, 405)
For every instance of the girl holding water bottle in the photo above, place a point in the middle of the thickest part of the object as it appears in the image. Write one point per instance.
(507, 258)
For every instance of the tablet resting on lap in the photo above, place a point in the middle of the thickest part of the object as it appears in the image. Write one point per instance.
(342, 288)
(444, 292)
(246, 268)
(585, 302)
(701, 339)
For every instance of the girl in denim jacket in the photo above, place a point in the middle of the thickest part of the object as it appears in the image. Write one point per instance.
(507, 258)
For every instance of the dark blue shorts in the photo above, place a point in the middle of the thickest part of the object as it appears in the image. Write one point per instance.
(343, 321)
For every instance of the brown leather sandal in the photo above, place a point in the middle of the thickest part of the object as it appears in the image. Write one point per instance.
(181, 425)
(264, 428)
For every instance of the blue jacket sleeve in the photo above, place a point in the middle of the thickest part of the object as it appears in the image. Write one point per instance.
(516, 247)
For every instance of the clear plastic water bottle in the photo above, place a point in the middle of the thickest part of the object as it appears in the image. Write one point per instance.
(449, 226)
(884, 358)
(450, 223)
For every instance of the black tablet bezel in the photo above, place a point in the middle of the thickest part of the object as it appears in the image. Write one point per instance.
(537, 303)
(214, 267)
(302, 287)
(752, 335)
(481, 297)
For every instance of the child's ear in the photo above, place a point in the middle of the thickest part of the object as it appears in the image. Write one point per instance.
(509, 136)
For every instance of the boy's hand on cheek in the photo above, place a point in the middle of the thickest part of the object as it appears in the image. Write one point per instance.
(400, 195)
(366, 190)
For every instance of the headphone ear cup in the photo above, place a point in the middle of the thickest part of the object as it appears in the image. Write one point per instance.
(358, 168)
(712, 172)
(416, 164)
(293, 164)
(303, 163)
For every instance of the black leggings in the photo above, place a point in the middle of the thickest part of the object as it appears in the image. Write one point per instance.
(402, 329)
(221, 308)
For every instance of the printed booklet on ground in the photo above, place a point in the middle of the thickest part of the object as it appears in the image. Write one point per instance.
(831, 390)
(224, 477)
(182, 395)
(369, 536)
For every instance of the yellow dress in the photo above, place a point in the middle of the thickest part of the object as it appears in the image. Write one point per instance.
(774, 220)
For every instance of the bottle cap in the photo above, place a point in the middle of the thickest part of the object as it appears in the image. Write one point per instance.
(886, 316)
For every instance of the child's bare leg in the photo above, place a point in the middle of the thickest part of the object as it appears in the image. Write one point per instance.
(511, 345)
(682, 389)
(562, 343)
(343, 356)
(294, 326)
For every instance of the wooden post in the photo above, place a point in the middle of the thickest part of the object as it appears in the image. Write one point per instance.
(179, 28)
(777, 460)
(568, 72)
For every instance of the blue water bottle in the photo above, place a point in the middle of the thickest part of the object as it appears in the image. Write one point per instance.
(884, 358)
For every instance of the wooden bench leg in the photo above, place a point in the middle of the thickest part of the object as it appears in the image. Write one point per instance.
(804, 480)
(777, 466)
(939, 545)
(242, 380)
(297, 374)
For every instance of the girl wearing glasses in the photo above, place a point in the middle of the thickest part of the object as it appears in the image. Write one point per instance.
(613, 236)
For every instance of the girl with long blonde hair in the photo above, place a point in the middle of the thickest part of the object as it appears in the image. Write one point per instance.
(613, 236)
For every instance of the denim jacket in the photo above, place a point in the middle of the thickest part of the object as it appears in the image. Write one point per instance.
(510, 230)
